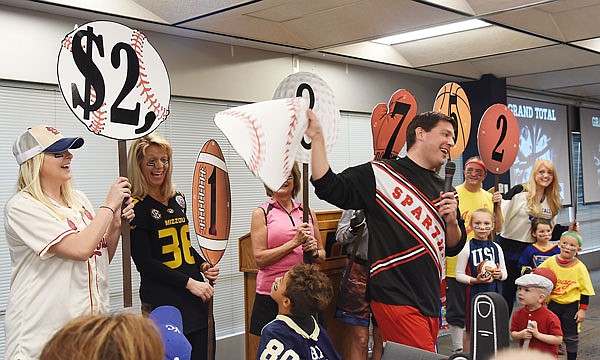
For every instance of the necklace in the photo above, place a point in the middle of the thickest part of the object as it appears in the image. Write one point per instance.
(285, 208)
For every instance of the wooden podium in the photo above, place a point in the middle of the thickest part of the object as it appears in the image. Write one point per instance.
(332, 267)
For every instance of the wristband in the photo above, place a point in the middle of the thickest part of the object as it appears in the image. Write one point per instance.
(107, 207)
(583, 306)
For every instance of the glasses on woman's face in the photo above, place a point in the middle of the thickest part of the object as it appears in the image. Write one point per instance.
(153, 163)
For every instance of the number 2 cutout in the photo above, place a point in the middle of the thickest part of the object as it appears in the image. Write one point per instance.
(498, 138)
(498, 156)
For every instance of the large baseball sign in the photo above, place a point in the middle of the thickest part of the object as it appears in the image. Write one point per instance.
(267, 136)
(321, 100)
(498, 138)
(113, 80)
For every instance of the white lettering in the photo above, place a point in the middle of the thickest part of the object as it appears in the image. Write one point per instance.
(201, 189)
(522, 111)
(545, 114)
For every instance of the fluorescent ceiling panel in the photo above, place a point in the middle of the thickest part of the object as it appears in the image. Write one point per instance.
(433, 32)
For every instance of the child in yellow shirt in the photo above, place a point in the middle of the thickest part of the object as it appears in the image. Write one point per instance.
(570, 298)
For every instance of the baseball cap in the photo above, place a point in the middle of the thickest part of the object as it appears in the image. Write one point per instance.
(169, 322)
(42, 138)
(541, 278)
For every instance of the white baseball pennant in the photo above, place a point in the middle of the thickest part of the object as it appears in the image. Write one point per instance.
(267, 136)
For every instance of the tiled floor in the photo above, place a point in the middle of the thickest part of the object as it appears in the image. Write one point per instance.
(589, 338)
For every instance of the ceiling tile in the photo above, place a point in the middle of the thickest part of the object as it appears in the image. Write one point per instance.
(466, 45)
(551, 58)
(358, 21)
(371, 51)
(297, 9)
(559, 78)
(584, 91)
(180, 10)
(576, 20)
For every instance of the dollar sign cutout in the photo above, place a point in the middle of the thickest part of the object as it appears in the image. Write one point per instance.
(113, 80)
(93, 78)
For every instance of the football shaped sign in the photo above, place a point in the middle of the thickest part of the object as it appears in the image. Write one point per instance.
(211, 202)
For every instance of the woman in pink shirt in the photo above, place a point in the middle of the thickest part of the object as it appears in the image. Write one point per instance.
(279, 238)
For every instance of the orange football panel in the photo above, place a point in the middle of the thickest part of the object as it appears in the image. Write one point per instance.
(212, 256)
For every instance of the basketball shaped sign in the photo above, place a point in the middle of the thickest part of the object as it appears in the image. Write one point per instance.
(113, 80)
(321, 100)
(498, 138)
(452, 101)
(389, 123)
(211, 202)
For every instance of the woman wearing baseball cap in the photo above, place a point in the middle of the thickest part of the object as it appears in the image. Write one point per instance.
(59, 247)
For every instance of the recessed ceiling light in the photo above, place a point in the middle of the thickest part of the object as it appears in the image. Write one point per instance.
(433, 32)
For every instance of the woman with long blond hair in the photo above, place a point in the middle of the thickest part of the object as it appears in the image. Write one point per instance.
(59, 247)
(537, 198)
(171, 270)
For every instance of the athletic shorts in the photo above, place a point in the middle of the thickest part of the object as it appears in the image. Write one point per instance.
(406, 325)
(352, 305)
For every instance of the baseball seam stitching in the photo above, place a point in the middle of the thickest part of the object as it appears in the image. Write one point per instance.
(150, 100)
(293, 107)
(98, 116)
(257, 140)
(67, 43)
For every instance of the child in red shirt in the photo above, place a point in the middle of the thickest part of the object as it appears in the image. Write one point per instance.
(534, 325)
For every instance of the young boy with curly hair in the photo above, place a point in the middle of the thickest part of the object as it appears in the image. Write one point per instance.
(295, 333)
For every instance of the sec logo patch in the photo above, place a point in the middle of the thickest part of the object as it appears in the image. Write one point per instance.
(155, 214)
(180, 200)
